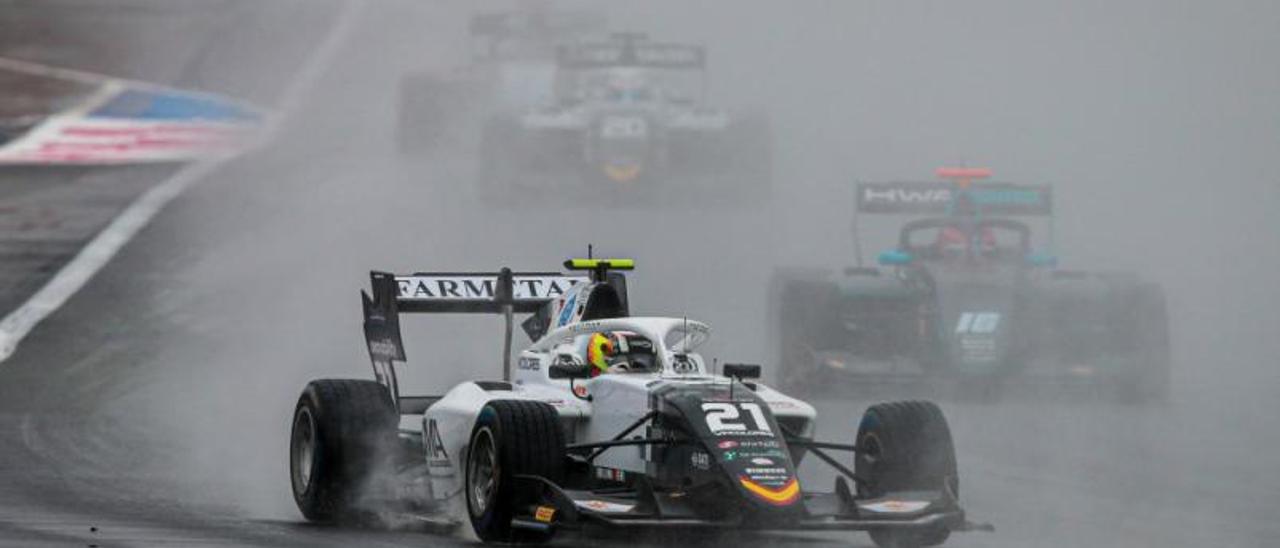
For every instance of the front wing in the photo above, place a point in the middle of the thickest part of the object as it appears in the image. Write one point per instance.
(839, 510)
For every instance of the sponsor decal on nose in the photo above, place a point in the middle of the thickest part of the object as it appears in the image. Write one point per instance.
(782, 496)
(545, 514)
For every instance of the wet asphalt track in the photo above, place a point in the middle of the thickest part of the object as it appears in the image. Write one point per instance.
(153, 409)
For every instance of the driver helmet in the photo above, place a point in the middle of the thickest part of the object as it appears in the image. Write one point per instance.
(951, 242)
(601, 349)
(988, 240)
(629, 86)
(619, 351)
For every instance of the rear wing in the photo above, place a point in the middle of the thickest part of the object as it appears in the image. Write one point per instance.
(504, 292)
(490, 31)
(632, 52)
(947, 198)
(956, 196)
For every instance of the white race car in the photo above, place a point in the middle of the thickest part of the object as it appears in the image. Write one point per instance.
(628, 113)
(605, 420)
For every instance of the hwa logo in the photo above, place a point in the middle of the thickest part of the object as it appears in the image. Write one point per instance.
(872, 195)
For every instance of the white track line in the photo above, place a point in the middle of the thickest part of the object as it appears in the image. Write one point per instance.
(76, 273)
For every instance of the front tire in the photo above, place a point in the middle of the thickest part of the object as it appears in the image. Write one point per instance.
(905, 446)
(343, 436)
(511, 438)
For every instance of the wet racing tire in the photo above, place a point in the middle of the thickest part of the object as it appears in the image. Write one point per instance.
(511, 438)
(905, 446)
(496, 173)
(343, 435)
(801, 307)
(1150, 383)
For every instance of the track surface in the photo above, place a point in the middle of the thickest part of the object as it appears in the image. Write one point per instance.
(153, 409)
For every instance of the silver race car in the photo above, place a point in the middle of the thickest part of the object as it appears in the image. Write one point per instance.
(512, 65)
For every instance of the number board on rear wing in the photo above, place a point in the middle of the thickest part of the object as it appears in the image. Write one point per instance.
(918, 198)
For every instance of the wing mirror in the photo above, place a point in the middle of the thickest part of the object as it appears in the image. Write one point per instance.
(1042, 260)
(569, 370)
(741, 371)
(895, 257)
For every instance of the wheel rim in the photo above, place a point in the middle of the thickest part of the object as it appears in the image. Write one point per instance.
(482, 472)
(303, 449)
(870, 449)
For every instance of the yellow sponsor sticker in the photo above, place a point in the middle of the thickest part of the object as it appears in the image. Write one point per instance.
(622, 172)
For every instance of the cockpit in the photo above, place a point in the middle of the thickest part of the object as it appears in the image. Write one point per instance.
(952, 240)
(630, 345)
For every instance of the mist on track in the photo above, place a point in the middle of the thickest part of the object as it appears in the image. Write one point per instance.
(1156, 122)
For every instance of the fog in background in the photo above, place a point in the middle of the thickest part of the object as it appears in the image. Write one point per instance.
(1157, 122)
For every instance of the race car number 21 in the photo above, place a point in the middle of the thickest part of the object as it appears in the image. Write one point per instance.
(733, 418)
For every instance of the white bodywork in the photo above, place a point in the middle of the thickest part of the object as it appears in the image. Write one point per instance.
(618, 399)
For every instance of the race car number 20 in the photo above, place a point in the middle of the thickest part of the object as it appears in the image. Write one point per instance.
(622, 127)
(744, 418)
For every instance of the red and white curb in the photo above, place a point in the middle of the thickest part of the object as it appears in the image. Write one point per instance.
(99, 251)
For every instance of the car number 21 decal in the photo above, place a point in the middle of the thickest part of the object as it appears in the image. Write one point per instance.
(742, 418)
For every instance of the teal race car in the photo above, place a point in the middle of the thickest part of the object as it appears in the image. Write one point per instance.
(964, 300)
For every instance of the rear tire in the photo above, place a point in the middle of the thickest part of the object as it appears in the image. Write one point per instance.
(1151, 380)
(343, 436)
(419, 119)
(905, 446)
(511, 438)
(496, 175)
(799, 302)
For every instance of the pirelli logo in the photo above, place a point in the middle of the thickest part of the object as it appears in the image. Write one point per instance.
(470, 287)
